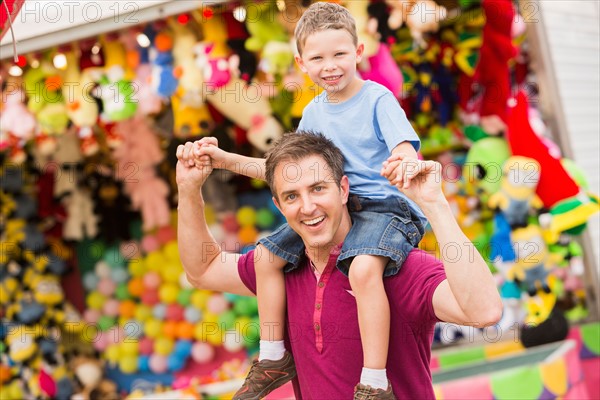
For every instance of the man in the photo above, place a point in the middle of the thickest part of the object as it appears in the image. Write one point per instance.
(304, 171)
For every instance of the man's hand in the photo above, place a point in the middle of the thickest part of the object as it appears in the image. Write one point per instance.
(192, 171)
(419, 180)
(209, 146)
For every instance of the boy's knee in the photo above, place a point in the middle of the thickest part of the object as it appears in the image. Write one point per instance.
(366, 271)
(264, 260)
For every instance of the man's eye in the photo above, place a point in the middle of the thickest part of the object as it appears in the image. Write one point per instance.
(318, 188)
(291, 197)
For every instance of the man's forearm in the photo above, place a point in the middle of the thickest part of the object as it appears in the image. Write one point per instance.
(468, 275)
(248, 166)
(197, 247)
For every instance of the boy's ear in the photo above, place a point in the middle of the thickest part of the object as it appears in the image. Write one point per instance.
(359, 52)
(300, 63)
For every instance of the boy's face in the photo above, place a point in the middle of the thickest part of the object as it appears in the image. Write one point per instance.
(329, 57)
(312, 202)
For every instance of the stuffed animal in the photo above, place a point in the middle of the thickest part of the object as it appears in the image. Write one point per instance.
(164, 82)
(382, 68)
(482, 171)
(516, 198)
(531, 267)
(43, 85)
(248, 108)
(81, 221)
(82, 108)
(68, 158)
(263, 25)
(89, 373)
(420, 16)
(149, 196)
(492, 71)
(148, 101)
(17, 124)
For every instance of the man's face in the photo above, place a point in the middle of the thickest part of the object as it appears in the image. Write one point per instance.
(312, 202)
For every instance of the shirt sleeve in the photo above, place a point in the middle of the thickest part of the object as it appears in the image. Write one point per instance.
(391, 124)
(421, 274)
(247, 271)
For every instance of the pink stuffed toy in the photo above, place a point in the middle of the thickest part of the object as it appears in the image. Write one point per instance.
(17, 125)
(492, 71)
(383, 69)
(137, 158)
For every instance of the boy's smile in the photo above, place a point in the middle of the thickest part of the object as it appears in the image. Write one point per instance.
(329, 57)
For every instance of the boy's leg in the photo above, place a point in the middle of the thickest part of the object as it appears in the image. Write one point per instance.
(275, 365)
(271, 298)
(366, 279)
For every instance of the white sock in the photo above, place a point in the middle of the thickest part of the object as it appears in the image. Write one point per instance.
(376, 378)
(268, 350)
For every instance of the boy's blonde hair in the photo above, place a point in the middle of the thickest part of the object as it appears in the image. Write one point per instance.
(321, 16)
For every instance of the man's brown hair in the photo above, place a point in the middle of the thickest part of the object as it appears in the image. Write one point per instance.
(295, 146)
(321, 16)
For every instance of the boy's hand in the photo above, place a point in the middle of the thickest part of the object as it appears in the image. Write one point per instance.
(191, 171)
(400, 169)
(209, 147)
(419, 180)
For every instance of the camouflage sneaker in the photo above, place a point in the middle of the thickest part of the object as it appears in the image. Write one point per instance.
(364, 392)
(266, 376)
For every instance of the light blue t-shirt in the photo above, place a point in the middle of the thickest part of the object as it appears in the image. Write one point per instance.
(366, 128)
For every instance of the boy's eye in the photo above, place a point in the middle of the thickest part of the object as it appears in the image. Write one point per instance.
(316, 58)
(339, 54)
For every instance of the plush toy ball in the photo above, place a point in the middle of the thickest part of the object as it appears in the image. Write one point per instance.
(136, 287)
(105, 322)
(144, 363)
(102, 269)
(233, 342)
(166, 234)
(146, 346)
(246, 216)
(227, 319)
(150, 297)
(111, 307)
(159, 311)
(127, 309)
(163, 346)
(129, 250)
(192, 314)
(153, 328)
(129, 347)
(265, 218)
(106, 286)
(247, 235)
(168, 293)
(202, 353)
(152, 280)
(112, 354)
(150, 243)
(100, 341)
(175, 312)
(169, 329)
(171, 251)
(91, 315)
(230, 223)
(90, 281)
(119, 275)
(143, 312)
(200, 298)
(217, 304)
(95, 300)
(158, 363)
(245, 306)
(185, 330)
(113, 257)
(183, 348)
(175, 362)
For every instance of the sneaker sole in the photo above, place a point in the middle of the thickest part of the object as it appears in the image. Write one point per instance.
(277, 383)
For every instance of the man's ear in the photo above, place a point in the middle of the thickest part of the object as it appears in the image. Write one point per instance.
(359, 52)
(276, 204)
(345, 189)
(300, 63)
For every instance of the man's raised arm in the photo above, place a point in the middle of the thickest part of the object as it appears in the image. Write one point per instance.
(206, 266)
(469, 295)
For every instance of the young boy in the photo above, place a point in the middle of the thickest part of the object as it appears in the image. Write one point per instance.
(366, 122)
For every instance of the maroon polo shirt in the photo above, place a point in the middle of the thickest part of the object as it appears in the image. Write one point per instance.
(323, 327)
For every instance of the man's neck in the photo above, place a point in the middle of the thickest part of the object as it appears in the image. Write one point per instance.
(319, 257)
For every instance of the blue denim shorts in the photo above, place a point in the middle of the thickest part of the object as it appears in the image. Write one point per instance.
(379, 227)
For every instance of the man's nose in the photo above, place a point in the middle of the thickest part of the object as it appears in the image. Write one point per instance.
(308, 206)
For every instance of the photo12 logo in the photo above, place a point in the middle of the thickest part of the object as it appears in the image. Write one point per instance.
(71, 12)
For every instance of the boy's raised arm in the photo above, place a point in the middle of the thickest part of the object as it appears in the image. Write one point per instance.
(248, 166)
